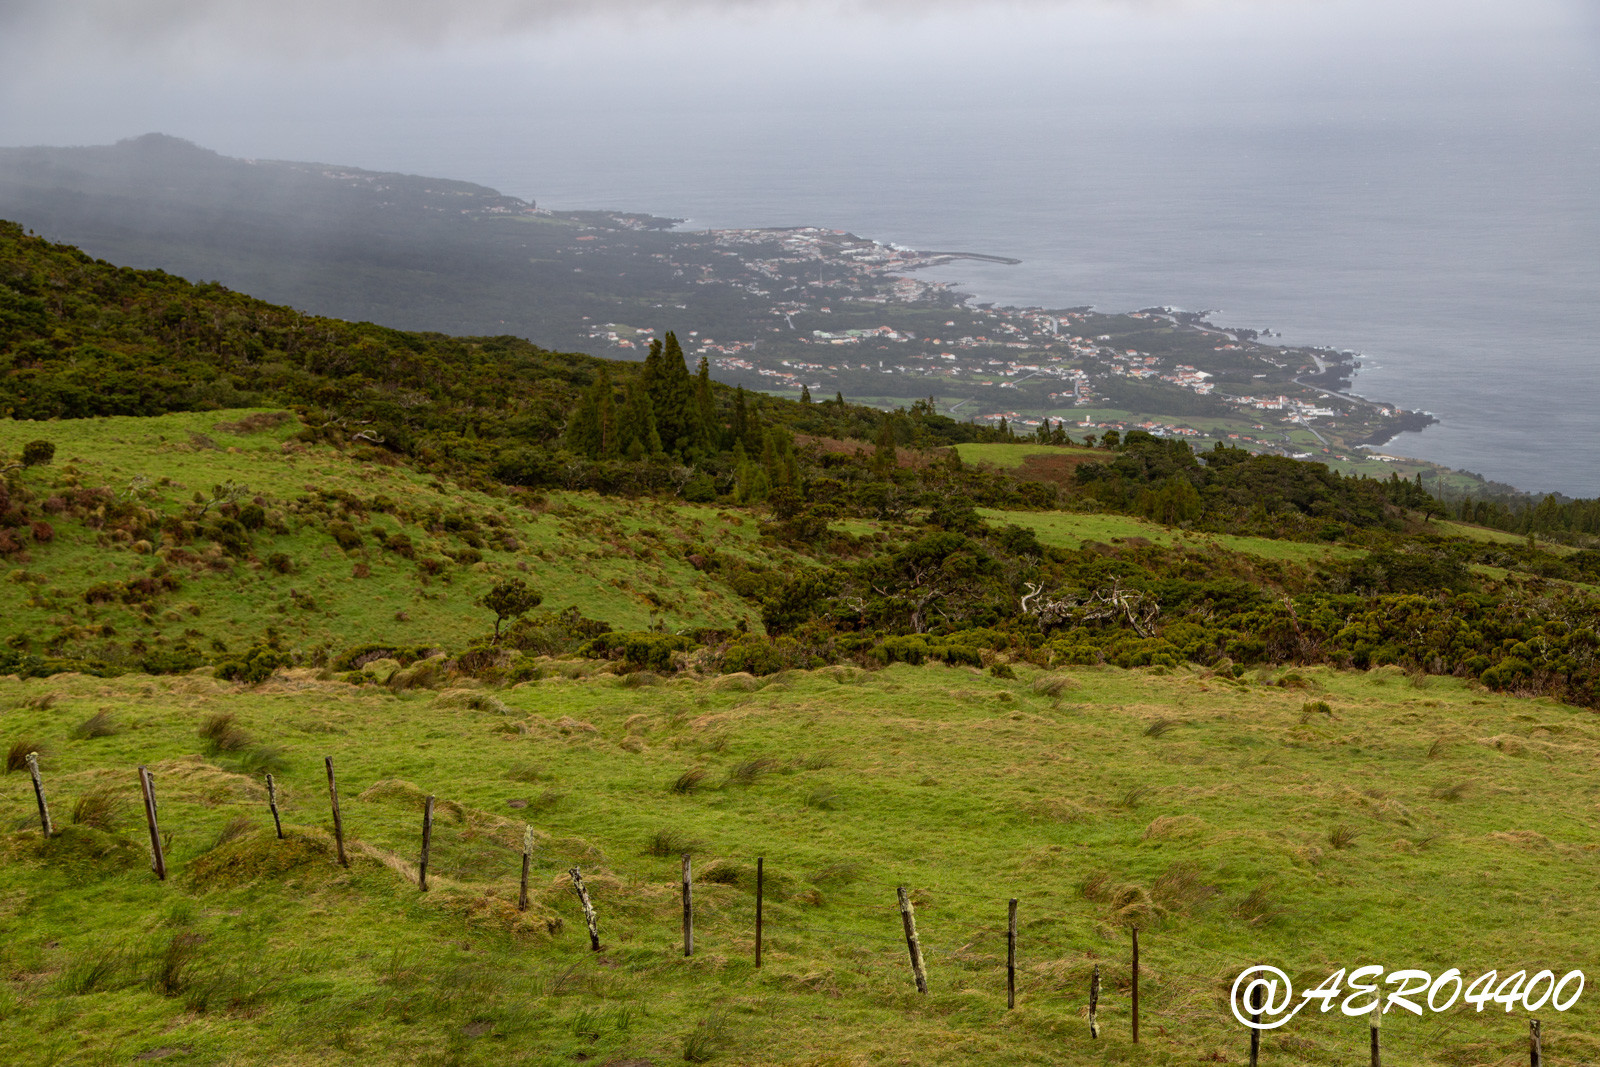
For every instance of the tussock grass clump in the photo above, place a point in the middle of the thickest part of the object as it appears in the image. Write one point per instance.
(836, 875)
(1258, 908)
(748, 772)
(1342, 836)
(1160, 726)
(1439, 747)
(42, 702)
(98, 808)
(524, 772)
(17, 754)
(1455, 792)
(97, 969)
(235, 828)
(100, 724)
(1134, 797)
(823, 798)
(639, 679)
(172, 966)
(1052, 685)
(262, 760)
(690, 780)
(671, 842)
(222, 733)
(709, 1037)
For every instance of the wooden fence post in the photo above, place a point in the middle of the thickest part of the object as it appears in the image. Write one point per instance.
(1135, 985)
(1094, 1002)
(760, 880)
(1011, 955)
(338, 824)
(427, 842)
(1255, 1016)
(158, 859)
(38, 793)
(688, 910)
(272, 802)
(1535, 1045)
(527, 857)
(909, 920)
(1376, 1021)
(588, 909)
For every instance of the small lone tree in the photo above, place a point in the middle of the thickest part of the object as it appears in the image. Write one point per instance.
(510, 599)
(37, 453)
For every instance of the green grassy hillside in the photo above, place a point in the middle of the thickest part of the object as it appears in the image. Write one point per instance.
(1314, 820)
(621, 561)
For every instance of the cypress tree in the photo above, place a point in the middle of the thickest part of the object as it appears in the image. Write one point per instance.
(636, 428)
(706, 402)
(593, 428)
(805, 394)
(741, 417)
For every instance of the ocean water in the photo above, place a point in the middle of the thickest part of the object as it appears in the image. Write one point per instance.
(1461, 258)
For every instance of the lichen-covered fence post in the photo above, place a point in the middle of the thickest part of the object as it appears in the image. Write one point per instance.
(527, 859)
(38, 794)
(1094, 1002)
(909, 920)
(588, 909)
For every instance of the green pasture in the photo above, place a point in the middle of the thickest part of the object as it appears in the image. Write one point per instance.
(1312, 820)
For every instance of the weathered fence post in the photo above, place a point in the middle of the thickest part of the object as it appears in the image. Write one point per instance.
(272, 802)
(527, 858)
(1535, 1048)
(1011, 955)
(1094, 1002)
(1255, 1016)
(760, 880)
(338, 824)
(688, 910)
(588, 909)
(427, 841)
(38, 793)
(1135, 985)
(158, 859)
(909, 920)
(1375, 1022)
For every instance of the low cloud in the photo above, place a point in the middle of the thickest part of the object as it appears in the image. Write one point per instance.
(320, 27)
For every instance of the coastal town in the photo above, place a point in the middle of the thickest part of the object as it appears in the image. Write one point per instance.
(824, 312)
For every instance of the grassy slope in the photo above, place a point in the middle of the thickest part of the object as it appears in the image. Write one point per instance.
(1472, 820)
(616, 560)
(1070, 530)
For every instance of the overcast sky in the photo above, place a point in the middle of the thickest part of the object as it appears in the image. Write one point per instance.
(93, 71)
